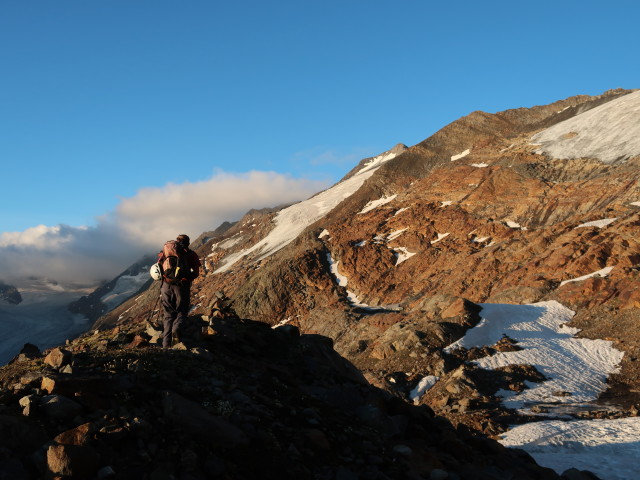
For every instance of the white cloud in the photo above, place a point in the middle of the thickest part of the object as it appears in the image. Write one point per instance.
(140, 224)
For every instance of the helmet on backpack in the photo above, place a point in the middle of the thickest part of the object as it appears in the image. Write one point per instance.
(156, 271)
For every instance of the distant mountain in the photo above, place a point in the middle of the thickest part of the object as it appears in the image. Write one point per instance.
(402, 261)
(10, 294)
(105, 298)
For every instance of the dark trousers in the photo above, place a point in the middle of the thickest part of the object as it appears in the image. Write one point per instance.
(175, 306)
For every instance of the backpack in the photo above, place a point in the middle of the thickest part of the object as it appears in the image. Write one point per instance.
(174, 264)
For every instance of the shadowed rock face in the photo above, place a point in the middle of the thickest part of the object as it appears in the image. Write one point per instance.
(10, 294)
(244, 401)
(475, 213)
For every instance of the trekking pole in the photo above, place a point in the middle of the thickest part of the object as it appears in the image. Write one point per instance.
(155, 305)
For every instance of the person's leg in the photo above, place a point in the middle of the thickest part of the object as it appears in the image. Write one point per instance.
(169, 309)
(183, 293)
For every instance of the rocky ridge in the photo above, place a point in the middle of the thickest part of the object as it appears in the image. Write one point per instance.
(236, 400)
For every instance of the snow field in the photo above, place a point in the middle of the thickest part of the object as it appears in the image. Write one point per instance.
(576, 368)
(608, 448)
(125, 287)
(291, 221)
(608, 132)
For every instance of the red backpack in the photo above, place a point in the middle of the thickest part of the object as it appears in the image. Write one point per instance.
(174, 262)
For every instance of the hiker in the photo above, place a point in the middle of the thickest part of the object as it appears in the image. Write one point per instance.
(180, 266)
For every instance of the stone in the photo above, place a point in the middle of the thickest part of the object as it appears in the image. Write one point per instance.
(77, 462)
(28, 404)
(58, 358)
(59, 407)
(138, 342)
(80, 435)
(48, 384)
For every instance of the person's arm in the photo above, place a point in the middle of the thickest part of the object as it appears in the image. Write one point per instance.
(194, 264)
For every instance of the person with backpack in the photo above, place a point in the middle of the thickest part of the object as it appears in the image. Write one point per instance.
(179, 266)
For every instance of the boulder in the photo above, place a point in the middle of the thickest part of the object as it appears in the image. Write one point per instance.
(59, 408)
(79, 435)
(58, 358)
(76, 462)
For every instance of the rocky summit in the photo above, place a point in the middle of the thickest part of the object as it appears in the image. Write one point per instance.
(372, 288)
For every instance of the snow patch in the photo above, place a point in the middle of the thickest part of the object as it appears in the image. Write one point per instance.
(230, 242)
(480, 165)
(576, 368)
(446, 203)
(360, 244)
(324, 233)
(600, 273)
(402, 254)
(440, 237)
(512, 224)
(422, 387)
(635, 204)
(403, 209)
(598, 223)
(376, 203)
(608, 132)
(282, 322)
(395, 234)
(481, 239)
(460, 155)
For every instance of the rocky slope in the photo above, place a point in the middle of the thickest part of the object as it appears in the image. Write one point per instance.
(241, 401)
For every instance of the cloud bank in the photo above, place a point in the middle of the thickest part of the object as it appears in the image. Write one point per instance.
(140, 224)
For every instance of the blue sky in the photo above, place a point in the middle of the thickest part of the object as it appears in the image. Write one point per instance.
(103, 99)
